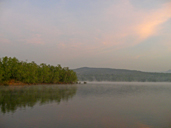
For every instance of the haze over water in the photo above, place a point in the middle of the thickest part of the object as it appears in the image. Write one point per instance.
(105, 104)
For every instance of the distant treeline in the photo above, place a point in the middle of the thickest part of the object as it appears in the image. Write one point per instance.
(106, 74)
(11, 69)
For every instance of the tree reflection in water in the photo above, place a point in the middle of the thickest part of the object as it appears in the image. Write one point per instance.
(12, 98)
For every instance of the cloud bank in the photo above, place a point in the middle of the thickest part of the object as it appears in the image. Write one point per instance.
(90, 33)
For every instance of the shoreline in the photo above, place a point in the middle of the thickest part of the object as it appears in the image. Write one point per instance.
(19, 83)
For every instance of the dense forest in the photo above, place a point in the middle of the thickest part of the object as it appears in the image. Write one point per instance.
(107, 74)
(15, 71)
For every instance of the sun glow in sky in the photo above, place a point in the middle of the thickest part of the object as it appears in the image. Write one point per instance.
(123, 34)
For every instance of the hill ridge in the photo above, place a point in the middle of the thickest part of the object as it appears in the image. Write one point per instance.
(111, 74)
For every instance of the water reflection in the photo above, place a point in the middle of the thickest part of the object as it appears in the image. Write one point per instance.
(12, 98)
(101, 105)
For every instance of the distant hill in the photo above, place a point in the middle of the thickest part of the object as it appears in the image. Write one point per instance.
(169, 71)
(109, 74)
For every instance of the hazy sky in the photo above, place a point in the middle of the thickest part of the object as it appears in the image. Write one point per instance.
(122, 34)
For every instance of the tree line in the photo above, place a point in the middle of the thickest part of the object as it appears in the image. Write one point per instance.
(31, 73)
(146, 77)
(106, 74)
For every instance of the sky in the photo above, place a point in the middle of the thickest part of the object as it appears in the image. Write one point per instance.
(120, 34)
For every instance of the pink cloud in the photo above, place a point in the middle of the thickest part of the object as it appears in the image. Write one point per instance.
(129, 22)
(118, 26)
(4, 40)
(152, 21)
(35, 39)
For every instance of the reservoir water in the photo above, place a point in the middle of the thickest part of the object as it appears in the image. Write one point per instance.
(91, 105)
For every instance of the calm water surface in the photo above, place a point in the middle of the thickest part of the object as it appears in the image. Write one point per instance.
(94, 105)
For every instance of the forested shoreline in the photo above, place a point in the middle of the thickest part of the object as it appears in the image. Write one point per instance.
(13, 71)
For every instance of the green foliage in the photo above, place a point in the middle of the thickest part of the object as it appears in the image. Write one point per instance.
(1, 71)
(31, 73)
(6, 67)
